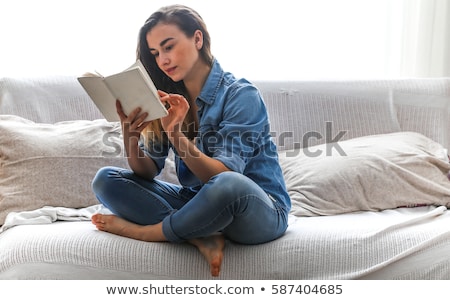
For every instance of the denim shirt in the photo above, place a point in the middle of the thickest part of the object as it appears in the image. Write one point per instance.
(234, 129)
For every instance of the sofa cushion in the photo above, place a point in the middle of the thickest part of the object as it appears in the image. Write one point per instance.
(53, 164)
(369, 173)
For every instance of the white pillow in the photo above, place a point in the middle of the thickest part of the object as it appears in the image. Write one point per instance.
(53, 164)
(369, 173)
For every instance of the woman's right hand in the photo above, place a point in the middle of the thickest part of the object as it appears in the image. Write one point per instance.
(133, 124)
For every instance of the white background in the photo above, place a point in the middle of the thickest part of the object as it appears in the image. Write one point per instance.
(279, 39)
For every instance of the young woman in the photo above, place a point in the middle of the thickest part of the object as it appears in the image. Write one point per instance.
(231, 187)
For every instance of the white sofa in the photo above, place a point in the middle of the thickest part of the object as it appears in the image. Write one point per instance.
(365, 163)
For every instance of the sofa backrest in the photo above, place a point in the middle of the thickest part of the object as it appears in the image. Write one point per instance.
(48, 99)
(302, 113)
(306, 113)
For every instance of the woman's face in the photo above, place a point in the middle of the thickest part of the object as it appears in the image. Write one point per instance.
(174, 52)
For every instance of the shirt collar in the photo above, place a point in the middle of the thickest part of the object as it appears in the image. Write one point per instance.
(212, 83)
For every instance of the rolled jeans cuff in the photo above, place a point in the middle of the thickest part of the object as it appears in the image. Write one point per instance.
(168, 231)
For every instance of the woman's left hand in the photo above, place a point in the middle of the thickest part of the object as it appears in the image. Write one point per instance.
(178, 109)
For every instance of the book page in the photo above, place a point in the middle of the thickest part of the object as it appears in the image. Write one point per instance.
(147, 78)
(133, 91)
(102, 97)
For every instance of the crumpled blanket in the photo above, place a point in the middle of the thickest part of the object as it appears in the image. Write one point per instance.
(50, 214)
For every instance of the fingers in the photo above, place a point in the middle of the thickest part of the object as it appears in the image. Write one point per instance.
(174, 100)
(136, 115)
(119, 109)
(133, 117)
(162, 93)
(134, 122)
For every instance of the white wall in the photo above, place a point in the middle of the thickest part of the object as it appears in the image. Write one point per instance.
(282, 39)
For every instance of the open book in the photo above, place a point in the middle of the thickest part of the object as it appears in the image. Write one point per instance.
(133, 87)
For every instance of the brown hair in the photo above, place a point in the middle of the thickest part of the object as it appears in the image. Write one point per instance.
(188, 21)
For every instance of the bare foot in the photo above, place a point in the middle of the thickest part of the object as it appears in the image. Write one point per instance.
(212, 249)
(116, 225)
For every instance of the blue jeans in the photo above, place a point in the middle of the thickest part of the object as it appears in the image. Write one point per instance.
(229, 203)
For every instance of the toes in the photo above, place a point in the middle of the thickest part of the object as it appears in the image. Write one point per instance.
(215, 272)
(94, 219)
(97, 219)
(215, 266)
